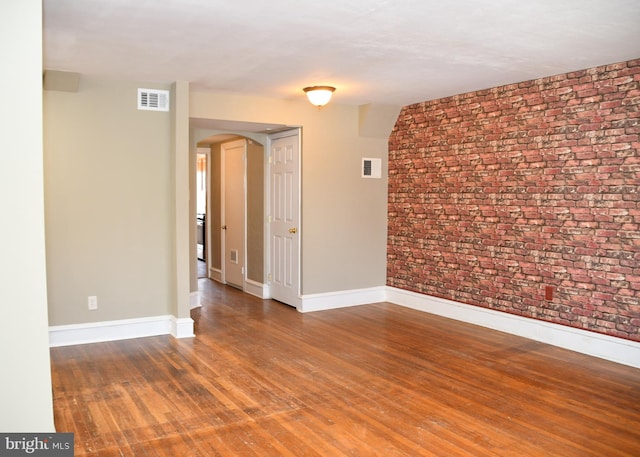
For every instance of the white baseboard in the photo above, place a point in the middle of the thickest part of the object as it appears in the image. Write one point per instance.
(182, 328)
(257, 289)
(194, 300)
(618, 350)
(341, 299)
(215, 274)
(96, 332)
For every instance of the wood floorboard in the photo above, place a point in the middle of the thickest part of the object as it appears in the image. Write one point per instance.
(261, 379)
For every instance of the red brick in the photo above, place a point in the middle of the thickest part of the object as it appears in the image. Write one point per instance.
(524, 185)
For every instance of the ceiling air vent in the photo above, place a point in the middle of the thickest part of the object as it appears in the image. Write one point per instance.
(153, 100)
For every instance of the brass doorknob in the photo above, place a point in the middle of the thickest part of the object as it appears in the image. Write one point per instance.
(293, 230)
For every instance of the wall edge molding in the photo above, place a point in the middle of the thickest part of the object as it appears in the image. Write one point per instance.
(606, 347)
(182, 327)
(215, 274)
(257, 289)
(341, 299)
(618, 350)
(123, 329)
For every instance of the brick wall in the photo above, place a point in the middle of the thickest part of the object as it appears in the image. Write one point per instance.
(497, 195)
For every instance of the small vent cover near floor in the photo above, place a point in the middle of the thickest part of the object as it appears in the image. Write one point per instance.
(233, 257)
(371, 168)
(153, 100)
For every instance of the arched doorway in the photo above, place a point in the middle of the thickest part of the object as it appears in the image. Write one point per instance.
(233, 240)
(212, 134)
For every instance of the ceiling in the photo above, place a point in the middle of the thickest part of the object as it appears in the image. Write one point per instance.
(373, 51)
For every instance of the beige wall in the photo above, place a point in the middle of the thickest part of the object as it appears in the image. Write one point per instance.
(343, 216)
(109, 204)
(110, 184)
(255, 212)
(192, 208)
(182, 218)
(25, 388)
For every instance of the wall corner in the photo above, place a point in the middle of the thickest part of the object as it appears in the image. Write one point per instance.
(376, 120)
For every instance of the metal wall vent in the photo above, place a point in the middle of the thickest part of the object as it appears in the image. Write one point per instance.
(153, 100)
(233, 256)
(371, 168)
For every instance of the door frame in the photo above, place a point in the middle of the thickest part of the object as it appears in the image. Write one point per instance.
(207, 231)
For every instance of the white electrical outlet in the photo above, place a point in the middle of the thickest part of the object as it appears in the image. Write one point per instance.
(92, 302)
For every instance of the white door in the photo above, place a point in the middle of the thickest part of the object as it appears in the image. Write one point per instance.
(233, 212)
(285, 218)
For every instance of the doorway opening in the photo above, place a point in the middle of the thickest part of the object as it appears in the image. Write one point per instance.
(202, 161)
(237, 174)
(234, 234)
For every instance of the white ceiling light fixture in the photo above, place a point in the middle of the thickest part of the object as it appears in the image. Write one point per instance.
(319, 95)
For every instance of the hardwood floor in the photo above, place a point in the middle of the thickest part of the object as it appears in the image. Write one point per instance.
(262, 379)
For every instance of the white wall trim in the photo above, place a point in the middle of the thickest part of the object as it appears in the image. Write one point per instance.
(341, 299)
(182, 328)
(618, 350)
(257, 289)
(215, 274)
(194, 300)
(96, 332)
